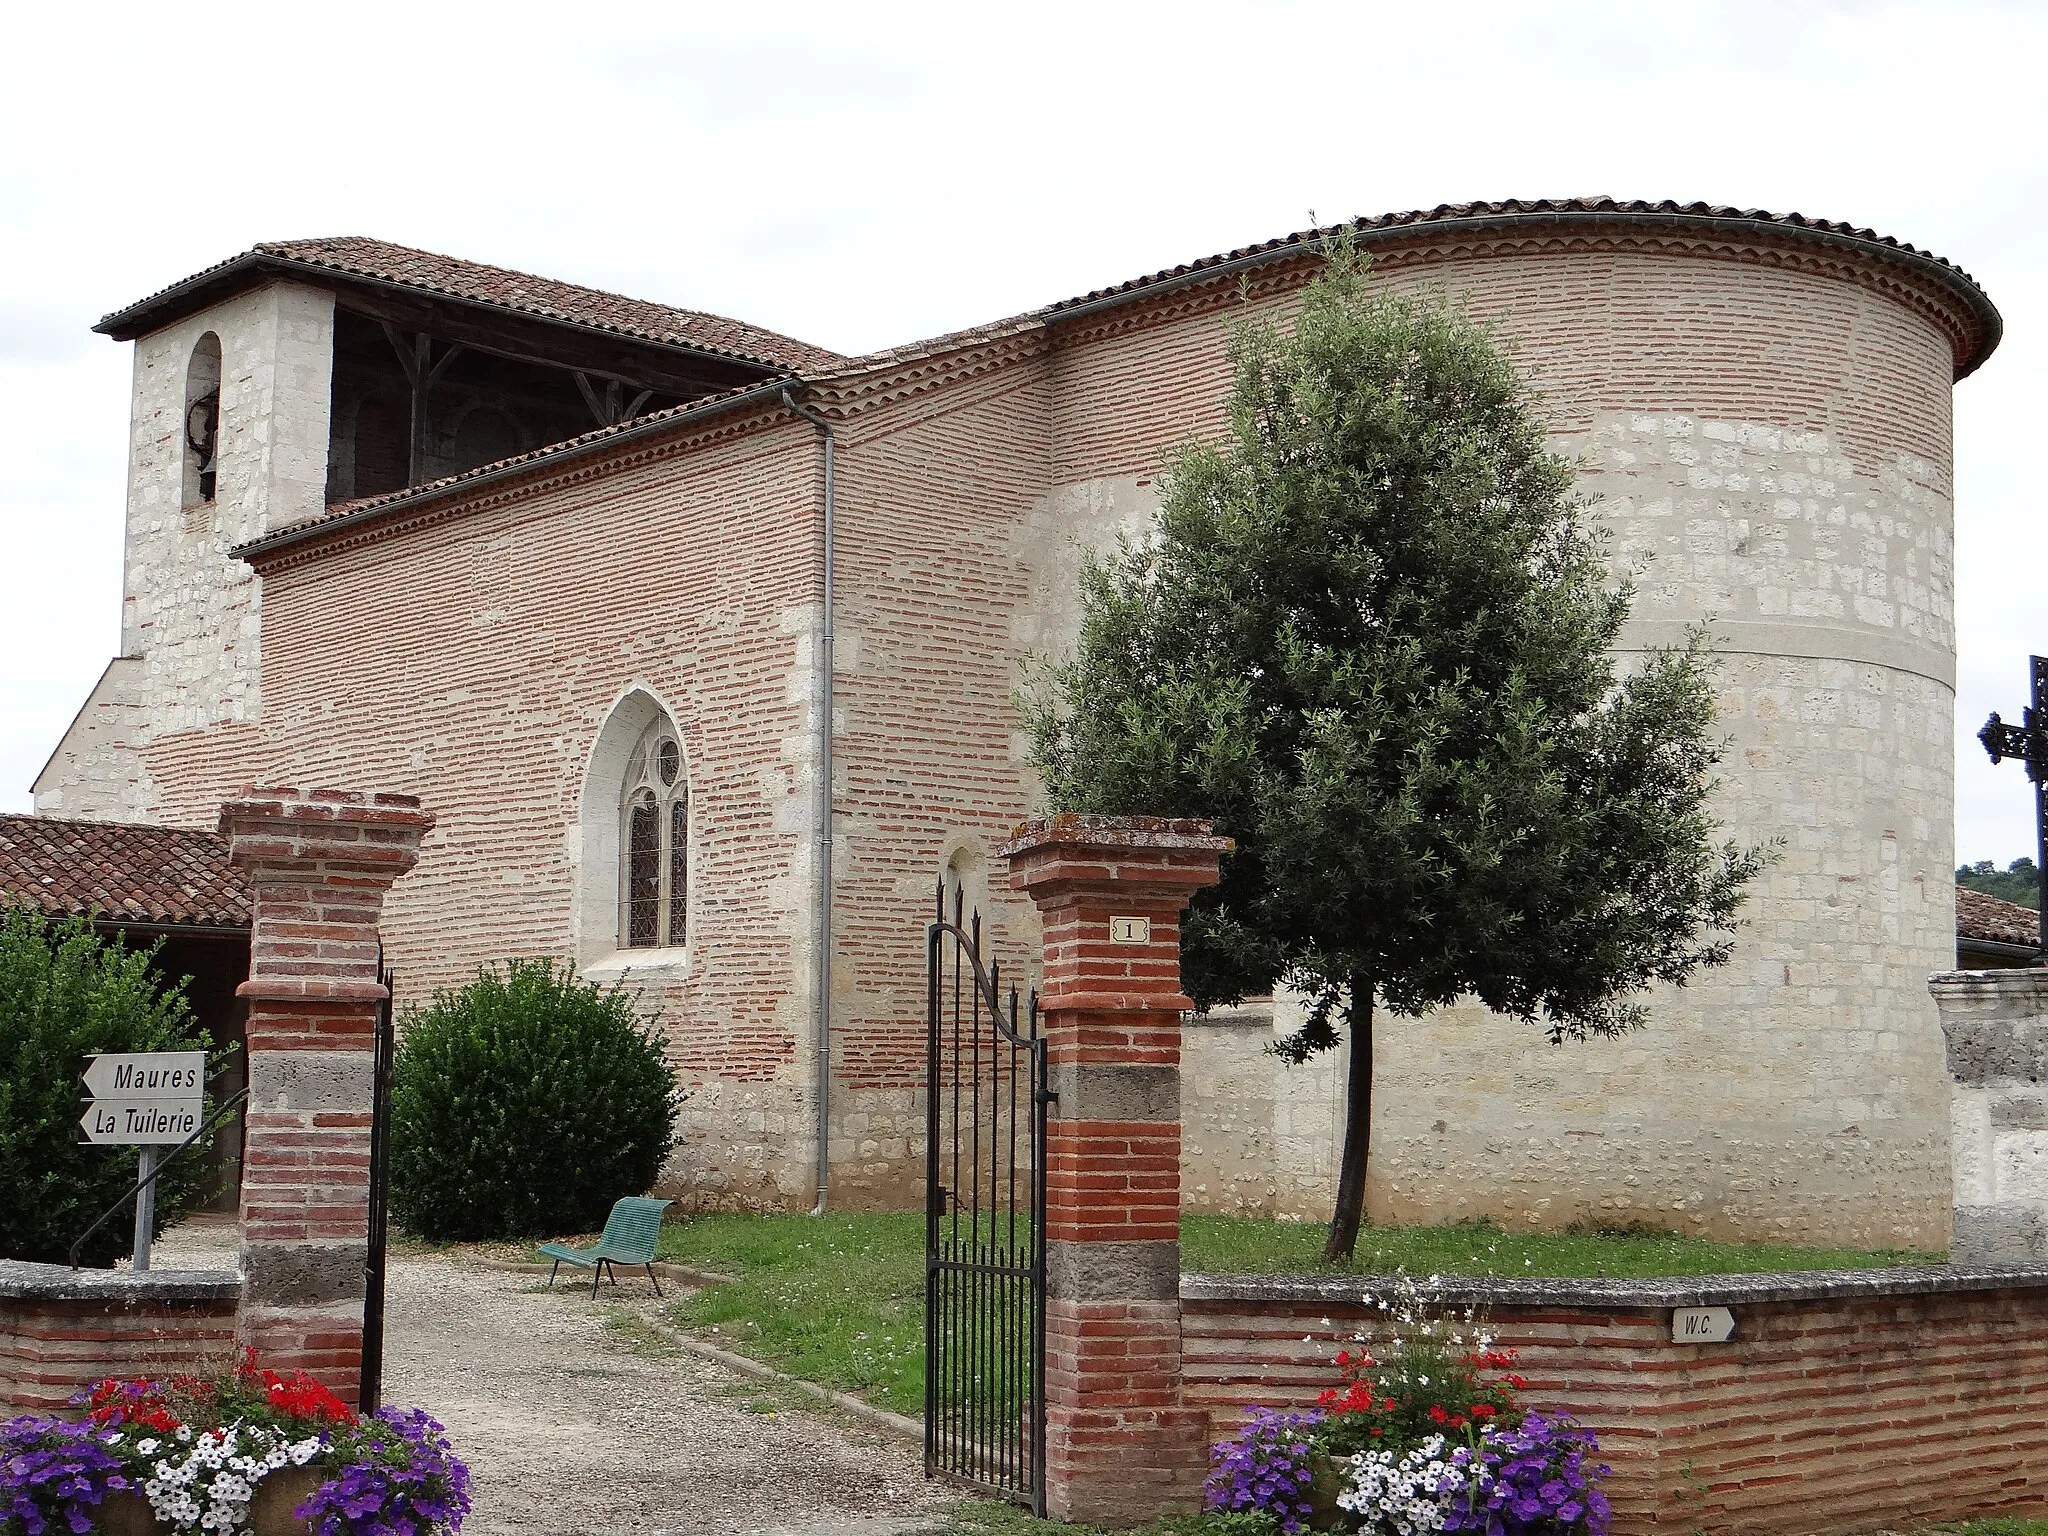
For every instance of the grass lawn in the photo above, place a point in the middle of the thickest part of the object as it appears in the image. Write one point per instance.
(1233, 1245)
(839, 1299)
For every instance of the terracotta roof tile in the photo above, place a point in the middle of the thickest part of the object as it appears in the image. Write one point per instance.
(1983, 916)
(1578, 209)
(156, 875)
(544, 297)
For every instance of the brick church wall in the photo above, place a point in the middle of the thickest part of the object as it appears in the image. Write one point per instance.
(1770, 438)
(473, 660)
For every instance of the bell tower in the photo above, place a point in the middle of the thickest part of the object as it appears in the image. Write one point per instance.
(228, 440)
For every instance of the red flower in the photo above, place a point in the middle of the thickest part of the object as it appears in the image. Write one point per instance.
(301, 1397)
(1437, 1414)
(1483, 1410)
(297, 1396)
(130, 1402)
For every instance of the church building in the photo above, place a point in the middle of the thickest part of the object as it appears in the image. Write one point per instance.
(703, 643)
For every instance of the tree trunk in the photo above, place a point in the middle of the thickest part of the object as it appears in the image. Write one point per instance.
(1350, 1212)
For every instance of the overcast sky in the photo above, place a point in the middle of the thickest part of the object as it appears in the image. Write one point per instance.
(865, 174)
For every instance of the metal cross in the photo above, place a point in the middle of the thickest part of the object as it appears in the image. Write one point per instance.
(2027, 742)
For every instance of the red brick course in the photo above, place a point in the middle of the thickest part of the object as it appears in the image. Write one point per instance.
(52, 1347)
(1820, 1417)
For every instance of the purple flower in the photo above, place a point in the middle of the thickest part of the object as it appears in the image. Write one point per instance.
(50, 1471)
(1534, 1482)
(405, 1481)
(1268, 1466)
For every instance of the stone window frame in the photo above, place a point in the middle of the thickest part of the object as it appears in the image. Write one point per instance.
(613, 773)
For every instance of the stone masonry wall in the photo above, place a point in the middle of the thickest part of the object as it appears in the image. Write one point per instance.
(1258, 1137)
(190, 616)
(1771, 450)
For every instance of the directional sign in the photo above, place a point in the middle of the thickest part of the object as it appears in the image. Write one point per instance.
(157, 1122)
(1702, 1325)
(146, 1075)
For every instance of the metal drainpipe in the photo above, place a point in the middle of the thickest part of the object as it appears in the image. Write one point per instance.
(824, 823)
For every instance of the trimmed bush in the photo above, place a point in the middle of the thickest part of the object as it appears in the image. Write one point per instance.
(524, 1104)
(66, 992)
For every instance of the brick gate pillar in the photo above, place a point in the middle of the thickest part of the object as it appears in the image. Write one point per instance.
(1121, 1447)
(318, 863)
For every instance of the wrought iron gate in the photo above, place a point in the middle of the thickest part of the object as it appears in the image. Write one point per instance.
(370, 1384)
(984, 1289)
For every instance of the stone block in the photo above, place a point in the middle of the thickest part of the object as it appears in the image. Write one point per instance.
(287, 1274)
(1076, 1271)
(2007, 1233)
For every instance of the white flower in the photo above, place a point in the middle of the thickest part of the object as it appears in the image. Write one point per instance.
(217, 1469)
(1407, 1497)
(145, 1447)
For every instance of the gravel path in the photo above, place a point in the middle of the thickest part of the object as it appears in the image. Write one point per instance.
(577, 1416)
(580, 1417)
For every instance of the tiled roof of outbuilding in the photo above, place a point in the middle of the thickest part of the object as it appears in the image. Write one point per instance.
(1980, 915)
(159, 876)
(379, 261)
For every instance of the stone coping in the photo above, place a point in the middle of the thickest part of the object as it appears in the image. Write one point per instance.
(1135, 834)
(1617, 1295)
(23, 1281)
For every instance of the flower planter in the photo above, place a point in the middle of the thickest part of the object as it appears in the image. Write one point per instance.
(243, 1452)
(270, 1511)
(1324, 1514)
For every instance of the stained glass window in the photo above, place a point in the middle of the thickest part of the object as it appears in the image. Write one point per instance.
(678, 867)
(655, 890)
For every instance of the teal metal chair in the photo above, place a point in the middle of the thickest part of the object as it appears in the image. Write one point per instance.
(631, 1233)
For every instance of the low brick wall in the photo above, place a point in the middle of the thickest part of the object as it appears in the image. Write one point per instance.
(62, 1329)
(1846, 1400)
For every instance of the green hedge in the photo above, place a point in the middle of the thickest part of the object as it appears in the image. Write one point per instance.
(524, 1104)
(66, 992)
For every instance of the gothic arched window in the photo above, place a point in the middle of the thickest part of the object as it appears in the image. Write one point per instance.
(654, 874)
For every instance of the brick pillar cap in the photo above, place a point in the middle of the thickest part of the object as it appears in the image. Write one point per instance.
(313, 807)
(1125, 834)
